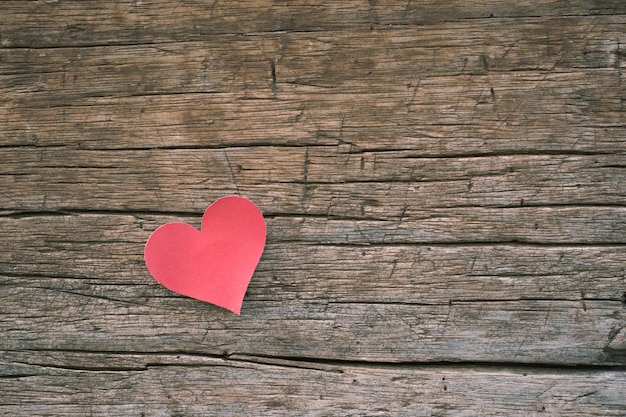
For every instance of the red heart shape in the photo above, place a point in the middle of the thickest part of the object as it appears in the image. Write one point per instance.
(216, 263)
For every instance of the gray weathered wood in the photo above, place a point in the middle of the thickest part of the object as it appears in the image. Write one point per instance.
(105, 384)
(385, 185)
(443, 182)
(445, 303)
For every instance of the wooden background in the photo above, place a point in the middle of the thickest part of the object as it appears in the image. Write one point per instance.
(444, 187)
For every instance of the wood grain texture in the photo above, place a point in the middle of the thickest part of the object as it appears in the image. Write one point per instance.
(443, 183)
(124, 384)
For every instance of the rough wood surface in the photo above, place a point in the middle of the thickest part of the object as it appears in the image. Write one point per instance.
(444, 185)
(150, 384)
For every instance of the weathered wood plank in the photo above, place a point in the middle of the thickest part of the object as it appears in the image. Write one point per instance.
(76, 384)
(460, 88)
(527, 331)
(29, 24)
(318, 181)
(432, 117)
(111, 247)
(316, 301)
(480, 51)
(195, 121)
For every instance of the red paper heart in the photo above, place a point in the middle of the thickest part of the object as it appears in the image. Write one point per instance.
(215, 264)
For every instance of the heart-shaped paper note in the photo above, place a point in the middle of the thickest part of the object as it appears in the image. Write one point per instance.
(215, 264)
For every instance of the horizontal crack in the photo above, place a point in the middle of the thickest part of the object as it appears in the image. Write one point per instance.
(342, 363)
(458, 301)
(323, 364)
